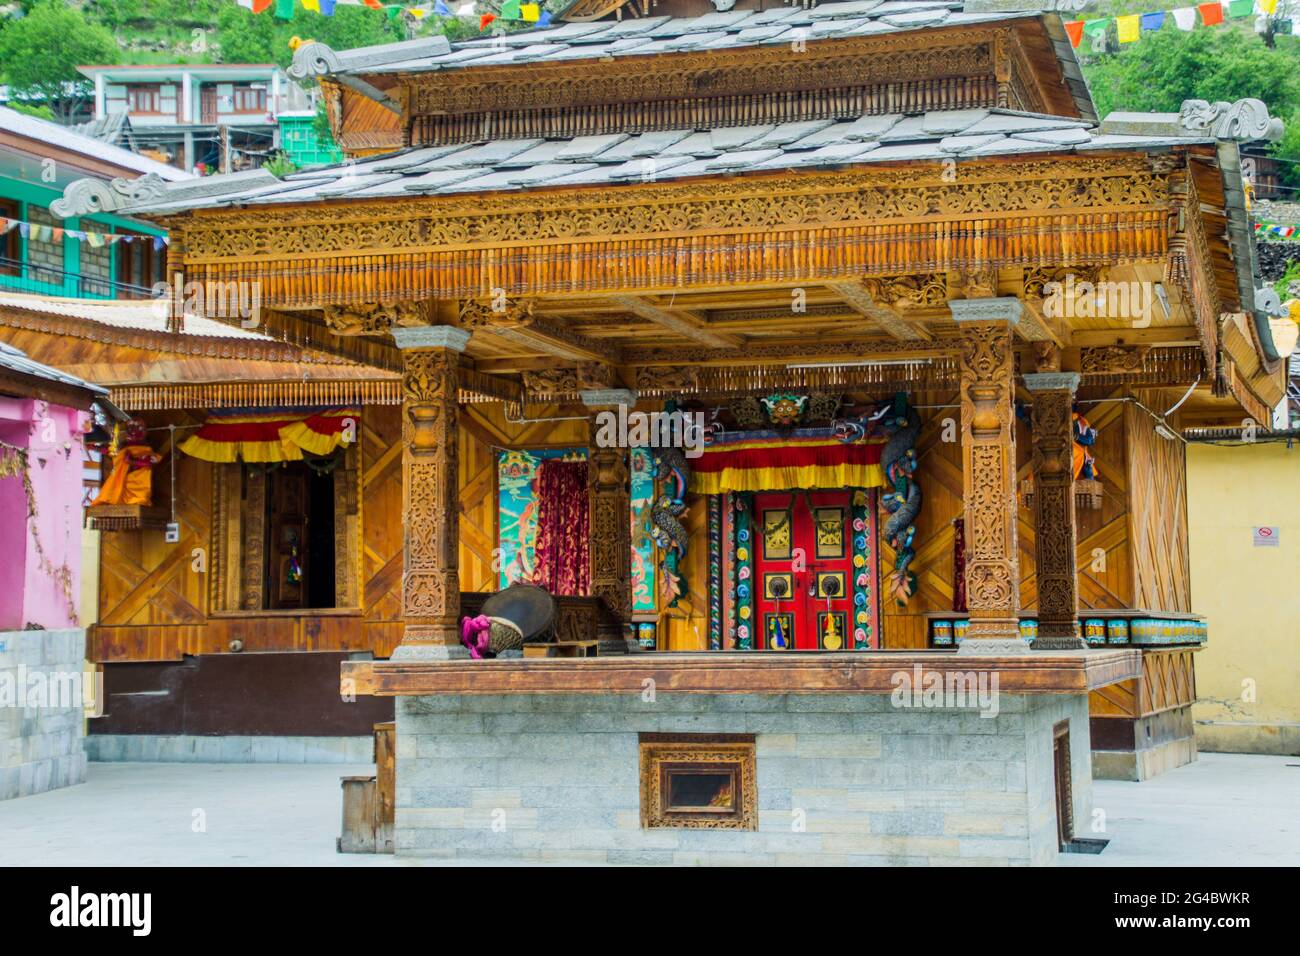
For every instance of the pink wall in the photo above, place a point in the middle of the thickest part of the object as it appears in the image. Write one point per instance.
(29, 592)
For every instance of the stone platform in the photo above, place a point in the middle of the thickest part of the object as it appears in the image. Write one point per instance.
(542, 760)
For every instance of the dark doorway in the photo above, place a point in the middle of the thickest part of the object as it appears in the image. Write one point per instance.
(1064, 785)
(300, 526)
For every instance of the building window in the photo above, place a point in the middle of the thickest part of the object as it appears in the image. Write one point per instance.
(44, 256)
(11, 250)
(143, 99)
(250, 99)
(698, 781)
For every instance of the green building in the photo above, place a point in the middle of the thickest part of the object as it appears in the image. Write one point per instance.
(89, 257)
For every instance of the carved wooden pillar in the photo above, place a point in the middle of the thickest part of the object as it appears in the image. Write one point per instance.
(988, 441)
(431, 511)
(609, 529)
(1054, 531)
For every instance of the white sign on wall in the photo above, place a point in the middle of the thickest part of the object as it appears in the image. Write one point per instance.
(1267, 536)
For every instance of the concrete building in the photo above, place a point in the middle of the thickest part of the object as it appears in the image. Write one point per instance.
(223, 115)
(42, 648)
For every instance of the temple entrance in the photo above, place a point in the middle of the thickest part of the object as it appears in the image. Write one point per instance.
(300, 520)
(804, 570)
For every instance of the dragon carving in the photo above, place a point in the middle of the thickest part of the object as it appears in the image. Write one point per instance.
(903, 502)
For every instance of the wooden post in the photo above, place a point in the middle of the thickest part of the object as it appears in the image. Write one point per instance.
(431, 511)
(988, 441)
(609, 529)
(1054, 530)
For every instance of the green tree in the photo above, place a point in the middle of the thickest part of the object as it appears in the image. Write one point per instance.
(1169, 65)
(246, 37)
(40, 53)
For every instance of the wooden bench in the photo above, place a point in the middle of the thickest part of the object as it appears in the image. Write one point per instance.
(369, 803)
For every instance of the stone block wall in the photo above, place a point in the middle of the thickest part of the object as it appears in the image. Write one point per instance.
(41, 747)
(841, 779)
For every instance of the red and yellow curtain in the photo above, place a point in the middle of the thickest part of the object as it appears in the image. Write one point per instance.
(272, 435)
(749, 462)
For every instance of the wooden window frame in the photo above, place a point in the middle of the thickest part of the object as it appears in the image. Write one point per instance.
(664, 755)
(239, 95)
(152, 90)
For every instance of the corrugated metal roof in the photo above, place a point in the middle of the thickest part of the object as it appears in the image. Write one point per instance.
(16, 360)
(43, 131)
(142, 315)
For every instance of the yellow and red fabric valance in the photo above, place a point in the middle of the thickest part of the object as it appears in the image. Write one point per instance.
(270, 435)
(771, 461)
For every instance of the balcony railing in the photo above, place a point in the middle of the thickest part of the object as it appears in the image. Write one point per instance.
(19, 276)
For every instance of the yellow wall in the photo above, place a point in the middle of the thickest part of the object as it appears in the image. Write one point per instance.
(1251, 596)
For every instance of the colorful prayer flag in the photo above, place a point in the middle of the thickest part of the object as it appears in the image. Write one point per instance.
(1268, 6)
(1153, 21)
(257, 6)
(1128, 27)
(1094, 27)
(510, 10)
(327, 7)
(1241, 8)
(1211, 13)
(485, 21)
(545, 19)
(531, 12)
(313, 5)
(284, 9)
(373, 4)
(95, 239)
(1074, 29)
(1185, 18)
(1282, 26)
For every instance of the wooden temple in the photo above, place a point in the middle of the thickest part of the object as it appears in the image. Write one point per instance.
(921, 332)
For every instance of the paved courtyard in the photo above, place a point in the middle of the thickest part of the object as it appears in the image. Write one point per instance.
(1225, 809)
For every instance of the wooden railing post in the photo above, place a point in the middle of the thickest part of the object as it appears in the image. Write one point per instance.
(988, 447)
(430, 509)
(1054, 528)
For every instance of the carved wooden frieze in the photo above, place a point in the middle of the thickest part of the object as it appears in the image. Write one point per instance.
(749, 204)
(368, 319)
(1112, 359)
(746, 70)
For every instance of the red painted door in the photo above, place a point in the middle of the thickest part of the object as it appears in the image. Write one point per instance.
(804, 570)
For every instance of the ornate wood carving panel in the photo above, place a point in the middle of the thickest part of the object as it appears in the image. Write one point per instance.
(988, 467)
(430, 518)
(610, 532)
(1054, 542)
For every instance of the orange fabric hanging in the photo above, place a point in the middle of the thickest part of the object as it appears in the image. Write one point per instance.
(131, 480)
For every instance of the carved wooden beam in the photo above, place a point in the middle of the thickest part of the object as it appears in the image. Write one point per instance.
(517, 322)
(859, 298)
(678, 321)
